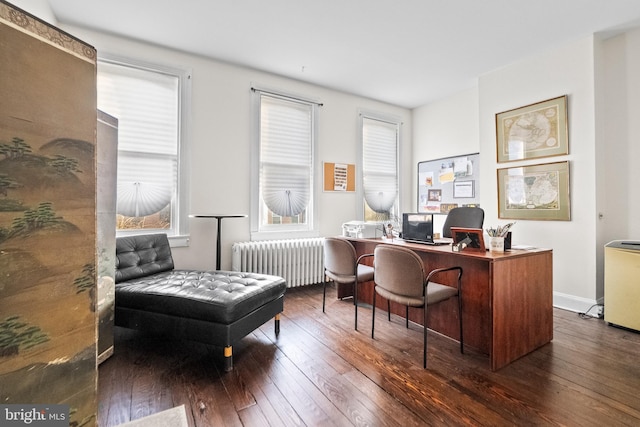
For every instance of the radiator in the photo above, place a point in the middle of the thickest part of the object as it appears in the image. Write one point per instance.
(299, 261)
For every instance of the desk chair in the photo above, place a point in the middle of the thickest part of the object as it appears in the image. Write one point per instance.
(465, 217)
(399, 277)
(342, 265)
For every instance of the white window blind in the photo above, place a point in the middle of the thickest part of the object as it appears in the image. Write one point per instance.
(379, 164)
(285, 155)
(147, 106)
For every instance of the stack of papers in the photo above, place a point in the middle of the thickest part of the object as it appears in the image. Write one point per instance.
(523, 247)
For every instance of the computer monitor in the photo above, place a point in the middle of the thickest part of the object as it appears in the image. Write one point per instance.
(417, 227)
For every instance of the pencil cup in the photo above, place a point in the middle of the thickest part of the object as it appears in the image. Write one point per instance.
(496, 244)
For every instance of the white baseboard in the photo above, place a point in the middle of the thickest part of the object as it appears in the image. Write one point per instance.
(574, 303)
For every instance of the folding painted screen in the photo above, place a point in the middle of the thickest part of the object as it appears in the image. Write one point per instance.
(47, 217)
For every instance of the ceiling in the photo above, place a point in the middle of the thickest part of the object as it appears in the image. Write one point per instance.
(404, 52)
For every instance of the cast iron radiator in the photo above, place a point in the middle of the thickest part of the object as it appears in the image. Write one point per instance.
(299, 261)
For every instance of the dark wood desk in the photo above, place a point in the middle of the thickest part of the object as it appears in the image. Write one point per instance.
(507, 298)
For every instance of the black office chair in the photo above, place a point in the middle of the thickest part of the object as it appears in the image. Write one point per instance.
(400, 277)
(465, 217)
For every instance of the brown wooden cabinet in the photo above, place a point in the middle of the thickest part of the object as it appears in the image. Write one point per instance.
(507, 298)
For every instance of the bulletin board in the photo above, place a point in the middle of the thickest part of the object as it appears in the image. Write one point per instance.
(447, 183)
(339, 177)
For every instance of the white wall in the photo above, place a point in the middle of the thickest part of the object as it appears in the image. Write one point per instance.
(621, 135)
(465, 123)
(602, 81)
(601, 78)
(220, 143)
(612, 89)
(449, 127)
(566, 70)
(632, 55)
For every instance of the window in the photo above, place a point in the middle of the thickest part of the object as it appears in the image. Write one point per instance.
(282, 196)
(148, 103)
(380, 141)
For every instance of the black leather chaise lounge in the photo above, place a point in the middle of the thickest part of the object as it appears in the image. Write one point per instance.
(213, 307)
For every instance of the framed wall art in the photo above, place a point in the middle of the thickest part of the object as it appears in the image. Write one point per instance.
(533, 131)
(537, 192)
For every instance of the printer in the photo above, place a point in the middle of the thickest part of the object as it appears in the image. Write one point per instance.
(362, 229)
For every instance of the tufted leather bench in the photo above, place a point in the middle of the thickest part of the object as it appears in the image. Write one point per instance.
(213, 307)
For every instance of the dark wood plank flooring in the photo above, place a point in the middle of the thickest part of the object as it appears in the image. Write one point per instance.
(320, 372)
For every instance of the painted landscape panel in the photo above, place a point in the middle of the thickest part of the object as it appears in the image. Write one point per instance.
(47, 217)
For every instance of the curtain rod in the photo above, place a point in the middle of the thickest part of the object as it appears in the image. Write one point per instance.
(282, 95)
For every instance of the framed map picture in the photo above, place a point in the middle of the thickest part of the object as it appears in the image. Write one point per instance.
(533, 131)
(538, 192)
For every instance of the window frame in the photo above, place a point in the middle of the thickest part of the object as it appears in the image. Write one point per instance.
(386, 118)
(178, 234)
(281, 231)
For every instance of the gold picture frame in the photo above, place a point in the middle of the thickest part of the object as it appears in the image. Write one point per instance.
(536, 192)
(533, 131)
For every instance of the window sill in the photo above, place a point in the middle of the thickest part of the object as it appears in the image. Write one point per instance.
(282, 235)
(179, 241)
(174, 241)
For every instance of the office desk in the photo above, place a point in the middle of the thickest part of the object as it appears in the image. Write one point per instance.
(507, 298)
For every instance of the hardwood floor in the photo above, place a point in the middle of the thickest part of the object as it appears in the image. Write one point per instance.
(319, 371)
